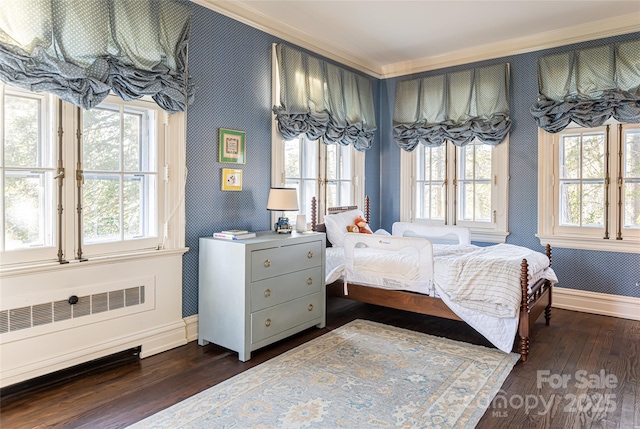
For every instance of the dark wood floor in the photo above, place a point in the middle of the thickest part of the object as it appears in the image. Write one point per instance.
(598, 356)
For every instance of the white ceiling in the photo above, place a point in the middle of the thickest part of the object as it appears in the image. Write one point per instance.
(397, 37)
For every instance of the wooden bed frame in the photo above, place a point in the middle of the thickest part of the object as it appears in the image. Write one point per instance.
(533, 303)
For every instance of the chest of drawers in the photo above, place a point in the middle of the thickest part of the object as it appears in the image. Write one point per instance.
(257, 291)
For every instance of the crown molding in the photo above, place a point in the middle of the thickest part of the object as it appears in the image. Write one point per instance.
(551, 39)
(239, 12)
(580, 33)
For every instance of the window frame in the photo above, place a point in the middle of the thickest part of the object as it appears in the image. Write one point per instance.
(153, 241)
(584, 238)
(171, 173)
(278, 177)
(495, 231)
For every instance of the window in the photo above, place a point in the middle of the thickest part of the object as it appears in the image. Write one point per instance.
(589, 187)
(334, 174)
(331, 173)
(71, 195)
(466, 186)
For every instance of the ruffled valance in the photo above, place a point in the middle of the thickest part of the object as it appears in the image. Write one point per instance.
(458, 107)
(81, 50)
(323, 101)
(589, 86)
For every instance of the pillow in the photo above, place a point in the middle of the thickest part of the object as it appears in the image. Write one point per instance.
(336, 225)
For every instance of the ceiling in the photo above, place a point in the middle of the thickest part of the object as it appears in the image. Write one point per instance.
(397, 37)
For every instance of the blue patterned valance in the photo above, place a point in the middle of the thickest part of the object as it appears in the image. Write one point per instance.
(459, 107)
(323, 101)
(80, 50)
(589, 86)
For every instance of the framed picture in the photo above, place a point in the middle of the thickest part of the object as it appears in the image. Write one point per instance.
(231, 179)
(231, 146)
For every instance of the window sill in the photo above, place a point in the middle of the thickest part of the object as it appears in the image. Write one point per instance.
(591, 243)
(489, 236)
(32, 268)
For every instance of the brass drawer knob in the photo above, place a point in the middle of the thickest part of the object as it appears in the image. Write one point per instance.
(267, 293)
(267, 263)
(310, 307)
(267, 322)
(310, 255)
(309, 281)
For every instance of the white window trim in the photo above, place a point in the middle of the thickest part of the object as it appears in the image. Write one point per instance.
(498, 231)
(547, 166)
(172, 174)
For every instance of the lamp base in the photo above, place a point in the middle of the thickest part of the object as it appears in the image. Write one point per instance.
(283, 226)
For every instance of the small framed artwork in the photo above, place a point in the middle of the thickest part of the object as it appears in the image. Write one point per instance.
(231, 146)
(231, 179)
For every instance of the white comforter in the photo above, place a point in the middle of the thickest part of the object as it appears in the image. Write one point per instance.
(491, 306)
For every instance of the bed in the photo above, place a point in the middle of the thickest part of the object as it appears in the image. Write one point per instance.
(426, 270)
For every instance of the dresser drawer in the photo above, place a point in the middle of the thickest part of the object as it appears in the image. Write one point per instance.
(273, 320)
(286, 259)
(276, 290)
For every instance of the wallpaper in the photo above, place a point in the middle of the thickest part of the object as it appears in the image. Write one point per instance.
(231, 65)
(605, 272)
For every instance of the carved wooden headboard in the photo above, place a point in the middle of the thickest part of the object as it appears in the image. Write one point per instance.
(319, 227)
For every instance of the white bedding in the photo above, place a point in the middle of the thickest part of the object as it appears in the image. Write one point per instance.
(382, 271)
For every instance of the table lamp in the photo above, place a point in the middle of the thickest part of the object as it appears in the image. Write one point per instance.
(282, 199)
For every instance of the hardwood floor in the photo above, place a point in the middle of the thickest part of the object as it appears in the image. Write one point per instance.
(598, 358)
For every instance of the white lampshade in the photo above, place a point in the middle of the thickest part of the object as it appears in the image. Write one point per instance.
(282, 199)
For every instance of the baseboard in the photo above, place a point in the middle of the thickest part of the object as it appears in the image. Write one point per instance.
(625, 307)
(191, 323)
(153, 341)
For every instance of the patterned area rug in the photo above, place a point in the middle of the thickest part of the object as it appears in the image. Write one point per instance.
(361, 375)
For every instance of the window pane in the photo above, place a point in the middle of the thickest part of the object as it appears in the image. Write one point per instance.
(593, 204)
(139, 206)
(482, 204)
(27, 201)
(101, 208)
(132, 143)
(101, 139)
(632, 154)
(345, 162)
(332, 162)
(332, 197)
(345, 193)
(22, 132)
(465, 202)
(632, 204)
(483, 162)
(310, 159)
(570, 157)
(466, 169)
(593, 156)
(437, 201)
(570, 204)
(438, 166)
(292, 158)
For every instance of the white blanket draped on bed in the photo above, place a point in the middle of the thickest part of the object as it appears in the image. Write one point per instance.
(488, 280)
(500, 330)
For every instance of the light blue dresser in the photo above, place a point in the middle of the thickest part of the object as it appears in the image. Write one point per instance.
(257, 291)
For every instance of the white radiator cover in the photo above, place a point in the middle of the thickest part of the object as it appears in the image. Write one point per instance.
(44, 339)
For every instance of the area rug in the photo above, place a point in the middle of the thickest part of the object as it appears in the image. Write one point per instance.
(361, 375)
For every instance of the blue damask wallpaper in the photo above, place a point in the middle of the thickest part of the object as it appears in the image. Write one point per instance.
(231, 65)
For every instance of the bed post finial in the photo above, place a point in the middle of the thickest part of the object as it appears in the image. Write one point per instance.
(547, 250)
(367, 209)
(313, 213)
